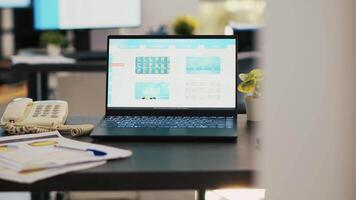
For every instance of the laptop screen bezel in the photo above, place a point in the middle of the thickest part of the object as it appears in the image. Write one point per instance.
(115, 111)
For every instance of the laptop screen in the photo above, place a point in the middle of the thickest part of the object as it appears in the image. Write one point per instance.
(172, 73)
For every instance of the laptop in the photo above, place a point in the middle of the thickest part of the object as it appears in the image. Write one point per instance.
(170, 88)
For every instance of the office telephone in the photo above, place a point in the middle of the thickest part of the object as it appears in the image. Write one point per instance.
(22, 116)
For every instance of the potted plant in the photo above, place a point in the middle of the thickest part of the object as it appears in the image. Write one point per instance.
(53, 40)
(185, 25)
(251, 85)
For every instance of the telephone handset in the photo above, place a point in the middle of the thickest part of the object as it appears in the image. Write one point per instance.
(22, 115)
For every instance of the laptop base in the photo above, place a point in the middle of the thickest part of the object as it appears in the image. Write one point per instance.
(164, 134)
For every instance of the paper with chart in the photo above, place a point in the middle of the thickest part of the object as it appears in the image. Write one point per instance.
(38, 151)
(33, 157)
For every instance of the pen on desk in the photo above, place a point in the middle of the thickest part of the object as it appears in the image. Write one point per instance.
(94, 151)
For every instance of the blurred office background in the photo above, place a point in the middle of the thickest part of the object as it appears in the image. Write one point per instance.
(85, 91)
(212, 16)
(308, 137)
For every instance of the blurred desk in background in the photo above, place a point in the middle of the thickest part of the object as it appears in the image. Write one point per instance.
(12, 84)
(38, 74)
(5, 65)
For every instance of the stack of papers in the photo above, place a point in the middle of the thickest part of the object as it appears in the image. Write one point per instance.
(33, 157)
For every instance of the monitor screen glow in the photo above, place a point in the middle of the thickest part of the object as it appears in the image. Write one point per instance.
(172, 73)
(86, 14)
(14, 3)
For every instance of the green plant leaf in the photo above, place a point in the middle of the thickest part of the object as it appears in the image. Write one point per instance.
(247, 86)
(52, 37)
(251, 82)
(257, 73)
(185, 25)
(243, 76)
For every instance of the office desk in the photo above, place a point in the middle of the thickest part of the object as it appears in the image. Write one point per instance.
(38, 74)
(161, 166)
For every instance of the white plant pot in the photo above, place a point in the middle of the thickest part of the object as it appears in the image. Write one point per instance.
(253, 108)
(53, 50)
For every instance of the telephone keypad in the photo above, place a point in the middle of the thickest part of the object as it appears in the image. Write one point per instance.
(39, 107)
(46, 110)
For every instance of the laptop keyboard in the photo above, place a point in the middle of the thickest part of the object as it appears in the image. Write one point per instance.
(168, 122)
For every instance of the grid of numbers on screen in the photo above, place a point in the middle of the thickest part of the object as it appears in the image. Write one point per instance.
(152, 65)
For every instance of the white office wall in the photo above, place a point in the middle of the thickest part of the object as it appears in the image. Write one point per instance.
(154, 13)
(309, 137)
(84, 92)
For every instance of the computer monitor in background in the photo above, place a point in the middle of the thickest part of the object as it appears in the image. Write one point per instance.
(86, 14)
(15, 3)
(246, 34)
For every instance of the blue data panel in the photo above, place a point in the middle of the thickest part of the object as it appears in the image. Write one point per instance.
(152, 65)
(176, 43)
(203, 65)
(151, 91)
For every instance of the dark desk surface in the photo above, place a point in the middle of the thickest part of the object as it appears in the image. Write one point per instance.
(5, 65)
(77, 66)
(246, 59)
(161, 165)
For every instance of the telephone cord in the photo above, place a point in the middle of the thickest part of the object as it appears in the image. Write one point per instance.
(74, 130)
